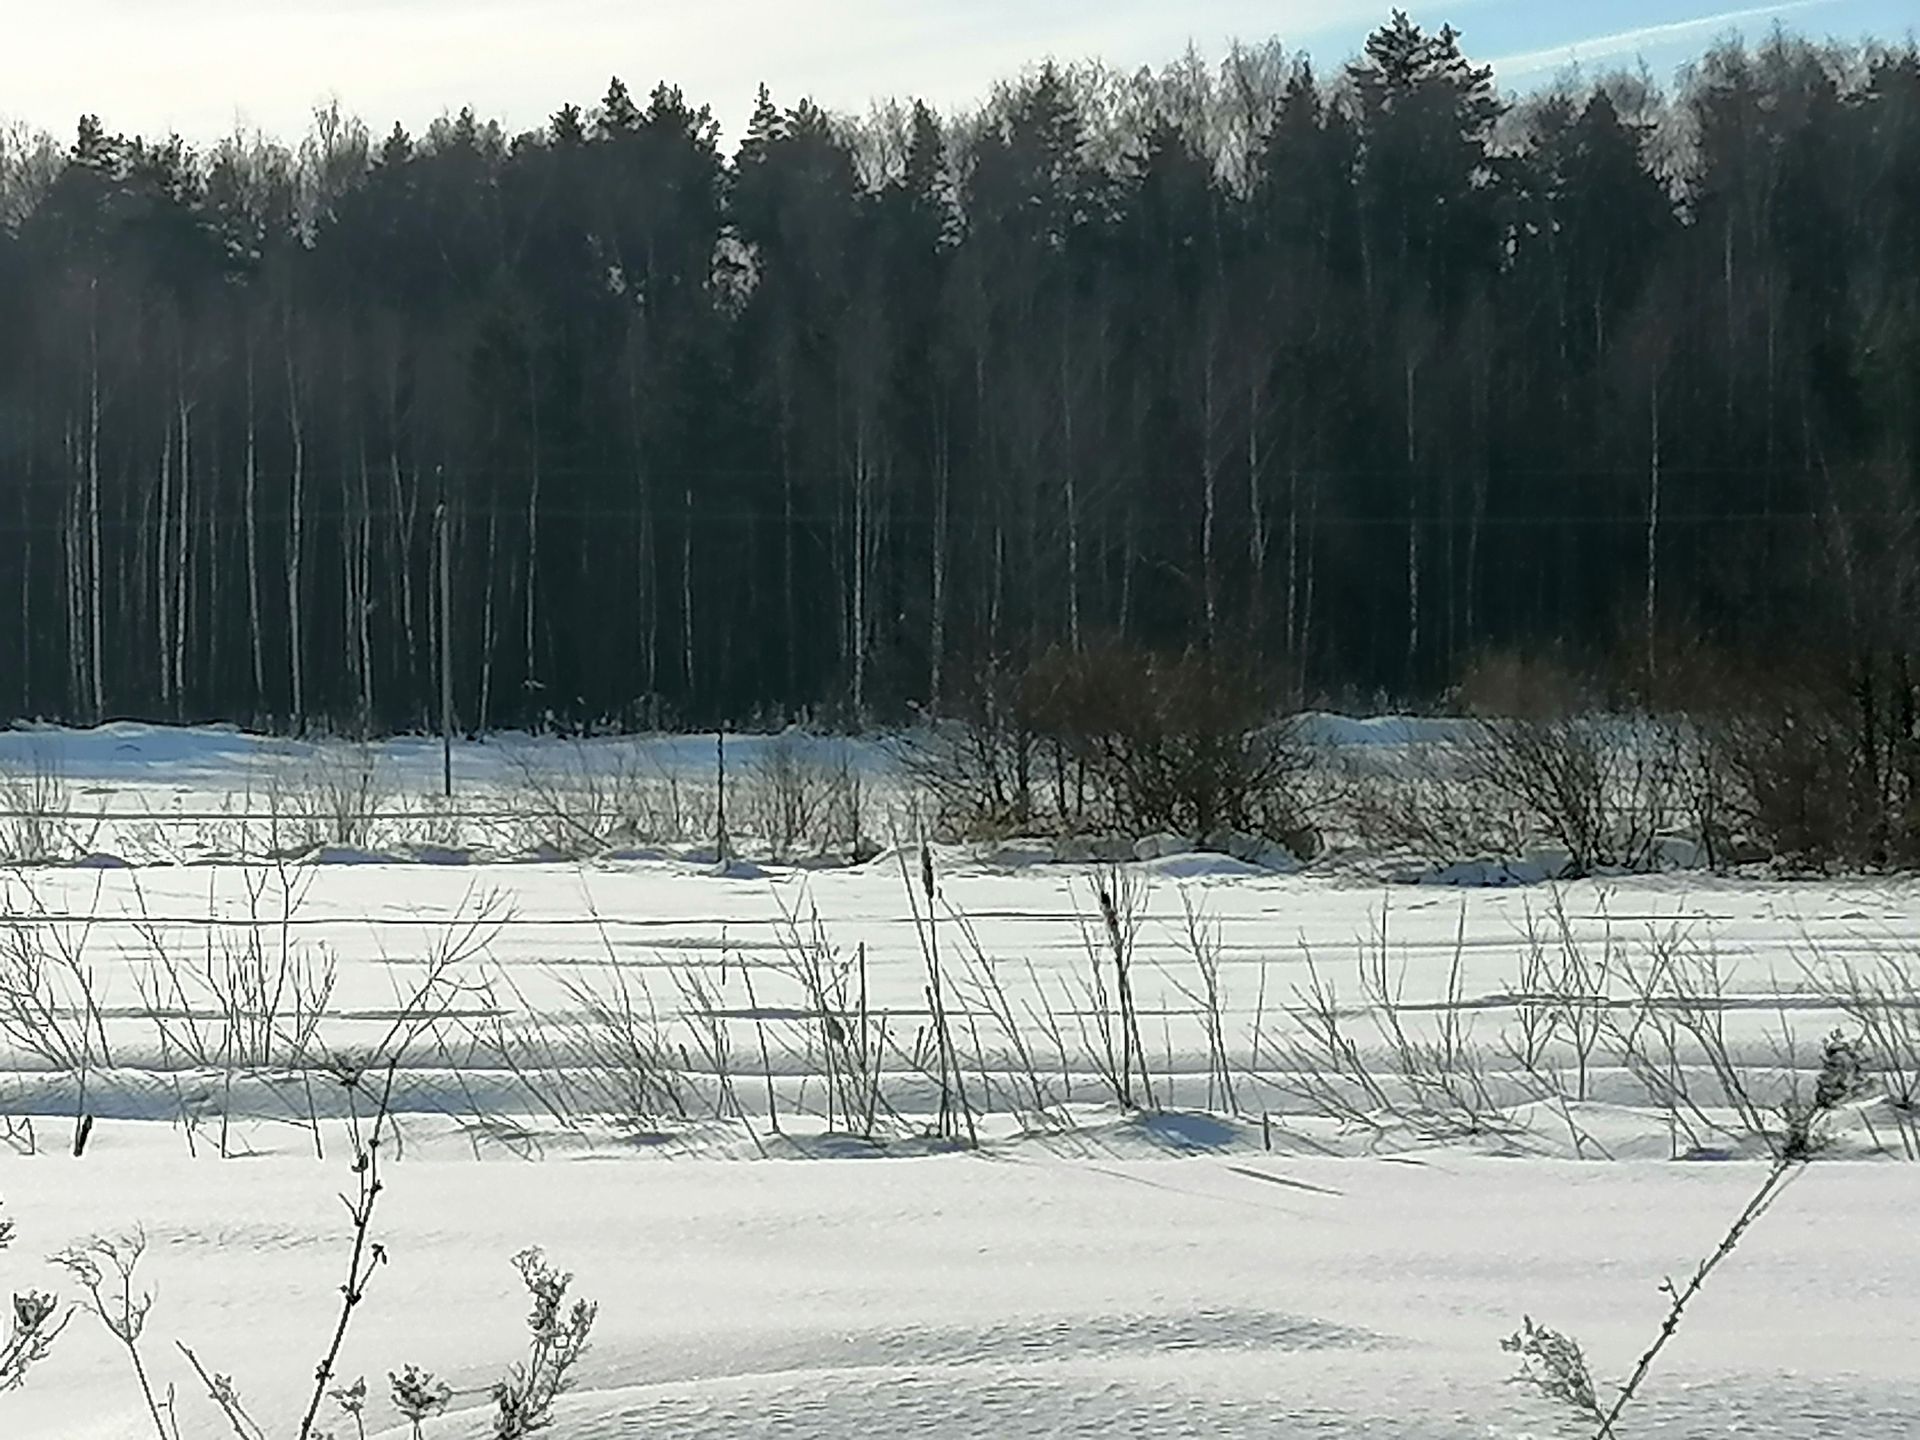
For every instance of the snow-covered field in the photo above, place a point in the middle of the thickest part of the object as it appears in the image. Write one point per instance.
(1386, 1123)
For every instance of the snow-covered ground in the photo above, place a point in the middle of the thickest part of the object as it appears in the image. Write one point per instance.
(1009, 1295)
(709, 1093)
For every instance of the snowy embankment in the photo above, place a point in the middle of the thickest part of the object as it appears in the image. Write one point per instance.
(1371, 1128)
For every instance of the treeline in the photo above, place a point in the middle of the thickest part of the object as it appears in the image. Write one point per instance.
(1353, 374)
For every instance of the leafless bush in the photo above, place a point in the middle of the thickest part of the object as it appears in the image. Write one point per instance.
(1671, 1037)
(1199, 936)
(1674, 1027)
(979, 764)
(799, 802)
(579, 801)
(980, 987)
(608, 1057)
(1602, 788)
(1427, 802)
(1438, 1087)
(1606, 789)
(251, 999)
(1116, 739)
(784, 798)
(49, 993)
(1713, 800)
(707, 1019)
(1109, 936)
(439, 1007)
(37, 820)
(1812, 763)
(955, 1108)
(847, 820)
(1563, 1001)
(1186, 744)
(1815, 758)
(605, 1057)
(852, 1041)
(50, 999)
(338, 796)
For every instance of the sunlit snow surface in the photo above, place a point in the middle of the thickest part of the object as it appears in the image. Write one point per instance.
(1009, 1295)
(1093, 1275)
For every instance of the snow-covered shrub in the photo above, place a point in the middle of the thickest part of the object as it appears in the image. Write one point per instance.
(523, 1400)
(1556, 1366)
(32, 1327)
(1845, 1076)
(417, 1394)
(1881, 999)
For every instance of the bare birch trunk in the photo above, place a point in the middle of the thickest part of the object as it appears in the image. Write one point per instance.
(183, 556)
(937, 660)
(485, 717)
(164, 561)
(1071, 484)
(1209, 495)
(533, 530)
(296, 540)
(1413, 538)
(250, 504)
(95, 607)
(1653, 531)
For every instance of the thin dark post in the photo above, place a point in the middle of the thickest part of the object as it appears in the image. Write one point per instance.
(446, 648)
(723, 846)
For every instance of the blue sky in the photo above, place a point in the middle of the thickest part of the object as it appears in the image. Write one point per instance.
(204, 66)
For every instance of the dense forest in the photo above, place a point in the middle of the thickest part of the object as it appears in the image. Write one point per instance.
(1358, 371)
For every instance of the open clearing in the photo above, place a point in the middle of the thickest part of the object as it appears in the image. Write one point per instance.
(713, 1094)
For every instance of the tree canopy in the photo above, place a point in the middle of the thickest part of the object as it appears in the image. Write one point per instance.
(1360, 372)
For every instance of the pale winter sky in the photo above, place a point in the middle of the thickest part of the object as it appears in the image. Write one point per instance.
(203, 67)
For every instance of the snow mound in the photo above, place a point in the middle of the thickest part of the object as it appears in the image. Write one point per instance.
(1324, 728)
(347, 855)
(1203, 866)
(101, 860)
